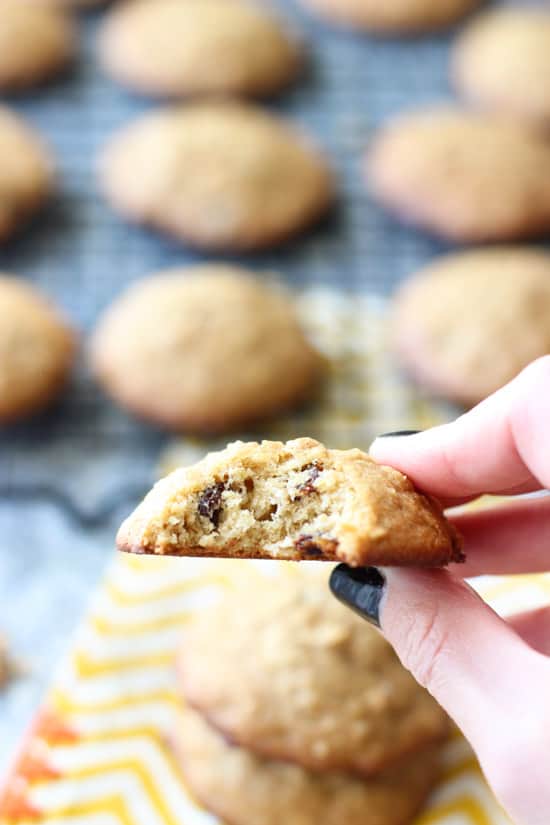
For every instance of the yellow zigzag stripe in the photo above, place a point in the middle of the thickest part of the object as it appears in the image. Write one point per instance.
(121, 597)
(466, 766)
(104, 627)
(463, 805)
(129, 766)
(111, 805)
(63, 703)
(87, 668)
(512, 584)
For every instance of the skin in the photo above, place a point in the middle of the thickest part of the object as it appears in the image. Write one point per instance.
(491, 675)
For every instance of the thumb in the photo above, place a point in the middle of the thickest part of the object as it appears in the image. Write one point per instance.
(480, 671)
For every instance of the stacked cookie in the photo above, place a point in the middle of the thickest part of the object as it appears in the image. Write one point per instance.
(297, 712)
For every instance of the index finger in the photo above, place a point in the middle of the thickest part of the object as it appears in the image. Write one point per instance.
(502, 446)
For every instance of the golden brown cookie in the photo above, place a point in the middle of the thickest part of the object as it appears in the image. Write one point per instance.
(26, 173)
(405, 17)
(175, 48)
(217, 176)
(208, 348)
(468, 323)
(37, 42)
(464, 176)
(282, 668)
(501, 62)
(242, 788)
(37, 350)
(291, 501)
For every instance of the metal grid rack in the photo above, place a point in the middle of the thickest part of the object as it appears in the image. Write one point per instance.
(87, 455)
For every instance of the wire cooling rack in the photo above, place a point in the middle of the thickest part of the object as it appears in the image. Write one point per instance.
(85, 454)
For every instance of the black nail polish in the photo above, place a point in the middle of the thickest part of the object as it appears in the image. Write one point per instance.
(360, 588)
(397, 433)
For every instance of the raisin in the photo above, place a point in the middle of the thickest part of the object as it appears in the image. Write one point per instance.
(308, 547)
(210, 502)
(308, 486)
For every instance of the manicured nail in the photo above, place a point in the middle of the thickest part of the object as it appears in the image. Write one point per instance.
(360, 588)
(397, 433)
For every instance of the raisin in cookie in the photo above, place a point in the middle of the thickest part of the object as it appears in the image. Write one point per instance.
(468, 323)
(242, 788)
(170, 48)
(501, 62)
(283, 669)
(464, 176)
(209, 348)
(291, 501)
(217, 176)
(37, 349)
(36, 43)
(405, 17)
(26, 173)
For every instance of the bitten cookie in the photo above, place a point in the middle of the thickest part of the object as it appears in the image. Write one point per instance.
(37, 349)
(291, 501)
(242, 788)
(26, 173)
(217, 176)
(37, 42)
(170, 48)
(405, 17)
(209, 348)
(464, 176)
(501, 62)
(468, 323)
(288, 672)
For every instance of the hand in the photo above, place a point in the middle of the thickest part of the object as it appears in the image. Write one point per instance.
(492, 676)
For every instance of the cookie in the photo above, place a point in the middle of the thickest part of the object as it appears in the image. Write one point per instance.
(288, 672)
(208, 348)
(291, 501)
(170, 48)
(405, 17)
(468, 323)
(242, 788)
(37, 42)
(501, 62)
(217, 176)
(463, 176)
(26, 173)
(37, 349)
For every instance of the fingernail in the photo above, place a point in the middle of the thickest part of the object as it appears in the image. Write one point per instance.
(397, 433)
(360, 588)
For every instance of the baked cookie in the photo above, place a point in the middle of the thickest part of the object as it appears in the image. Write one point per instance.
(37, 350)
(242, 788)
(215, 349)
(170, 48)
(405, 17)
(37, 41)
(291, 501)
(26, 173)
(217, 176)
(464, 176)
(501, 62)
(290, 673)
(470, 322)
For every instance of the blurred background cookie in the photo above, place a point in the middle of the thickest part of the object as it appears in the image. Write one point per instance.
(26, 173)
(322, 689)
(170, 48)
(405, 17)
(217, 176)
(208, 348)
(501, 62)
(37, 349)
(37, 41)
(243, 788)
(468, 323)
(463, 176)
